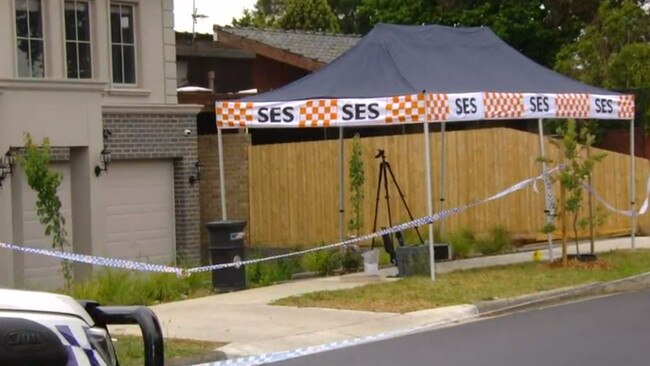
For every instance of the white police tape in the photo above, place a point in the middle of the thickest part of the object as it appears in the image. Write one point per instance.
(417, 222)
(148, 267)
(306, 351)
(642, 210)
(95, 260)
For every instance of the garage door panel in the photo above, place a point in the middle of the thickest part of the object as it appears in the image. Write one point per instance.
(134, 223)
(139, 211)
(127, 197)
(135, 209)
(149, 251)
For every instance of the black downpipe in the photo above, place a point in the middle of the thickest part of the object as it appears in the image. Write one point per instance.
(151, 332)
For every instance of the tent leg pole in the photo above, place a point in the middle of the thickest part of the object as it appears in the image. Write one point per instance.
(442, 174)
(427, 154)
(341, 188)
(549, 219)
(632, 184)
(222, 180)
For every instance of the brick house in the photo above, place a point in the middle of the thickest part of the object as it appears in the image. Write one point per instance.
(97, 76)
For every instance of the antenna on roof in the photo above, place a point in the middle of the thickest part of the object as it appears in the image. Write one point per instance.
(195, 17)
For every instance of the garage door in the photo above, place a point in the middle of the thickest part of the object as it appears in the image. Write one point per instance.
(139, 208)
(43, 272)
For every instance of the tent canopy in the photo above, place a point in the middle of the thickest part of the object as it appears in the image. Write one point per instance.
(399, 60)
(413, 74)
(417, 74)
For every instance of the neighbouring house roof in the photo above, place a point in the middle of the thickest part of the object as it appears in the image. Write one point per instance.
(307, 50)
(202, 45)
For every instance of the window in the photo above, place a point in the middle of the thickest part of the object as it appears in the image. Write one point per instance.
(123, 44)
(29, 39)
(77, 39)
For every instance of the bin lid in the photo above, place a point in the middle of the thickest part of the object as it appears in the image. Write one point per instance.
(225, 223)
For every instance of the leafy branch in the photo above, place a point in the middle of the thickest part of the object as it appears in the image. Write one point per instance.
(44, 181)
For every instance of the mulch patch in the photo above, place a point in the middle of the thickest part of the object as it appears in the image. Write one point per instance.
(575, 264)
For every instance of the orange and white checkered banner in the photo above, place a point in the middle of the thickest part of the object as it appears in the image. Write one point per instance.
(503, 105)
(418, 108)
(407, 109)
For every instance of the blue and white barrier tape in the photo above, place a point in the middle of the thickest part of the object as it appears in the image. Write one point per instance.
(95, 260)
(148, 267)
(407, 225)
(306, 351)
(642, 210)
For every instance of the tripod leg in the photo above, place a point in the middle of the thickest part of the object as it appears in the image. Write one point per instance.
(374, 222)
(384, 165)
(401, 194)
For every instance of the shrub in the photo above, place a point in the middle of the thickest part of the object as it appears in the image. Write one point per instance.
(462, 243)
(119, 287)
(323, 262)
(384, 257)
(269, 273)
(411, 236)
(351, 260)
(497, 241)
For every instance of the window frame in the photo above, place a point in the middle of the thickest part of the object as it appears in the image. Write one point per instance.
(29, 40)
(134, 12)
(76, 41)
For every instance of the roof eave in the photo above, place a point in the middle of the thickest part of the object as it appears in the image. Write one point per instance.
(263, 49)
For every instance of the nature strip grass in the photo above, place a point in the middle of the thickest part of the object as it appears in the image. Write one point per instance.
(130, 351)
(473, 285)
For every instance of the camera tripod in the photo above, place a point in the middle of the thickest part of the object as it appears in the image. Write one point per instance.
(384, 170)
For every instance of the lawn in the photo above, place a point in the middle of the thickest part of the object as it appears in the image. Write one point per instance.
(471, 286)
(129, 351)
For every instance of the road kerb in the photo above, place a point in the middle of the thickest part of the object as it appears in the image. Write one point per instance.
(591, 289)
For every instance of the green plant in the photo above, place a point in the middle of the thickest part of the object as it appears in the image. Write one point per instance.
(351, 261)
(497, 241)
(462, 243)
(357, 179)
(119, 287)
(578, 167)
(323, 262)
(45, 182)
(384, 258)
(272, 272)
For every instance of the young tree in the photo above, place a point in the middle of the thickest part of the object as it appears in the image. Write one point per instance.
(357, 179)
(578, 167)
(45, 182)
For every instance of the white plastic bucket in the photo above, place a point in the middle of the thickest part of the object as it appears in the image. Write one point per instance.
(371, 262)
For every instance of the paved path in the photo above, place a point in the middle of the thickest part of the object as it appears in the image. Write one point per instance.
(252, 326)
(604, 331)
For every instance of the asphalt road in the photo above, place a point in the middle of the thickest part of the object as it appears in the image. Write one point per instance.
(605, 331)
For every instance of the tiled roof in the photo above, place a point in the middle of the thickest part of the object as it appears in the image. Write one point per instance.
(323, 47)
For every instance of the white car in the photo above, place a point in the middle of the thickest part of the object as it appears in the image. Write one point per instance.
(39, 328)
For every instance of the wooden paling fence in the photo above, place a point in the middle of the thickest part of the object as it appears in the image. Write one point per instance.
(294, 187)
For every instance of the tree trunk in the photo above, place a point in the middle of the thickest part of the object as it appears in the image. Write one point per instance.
(592, 236)
(564, 238)
(575, 232)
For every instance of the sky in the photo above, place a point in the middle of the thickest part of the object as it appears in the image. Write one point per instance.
(218, 11)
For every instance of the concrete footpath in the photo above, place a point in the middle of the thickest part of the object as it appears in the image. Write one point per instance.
(251, 326)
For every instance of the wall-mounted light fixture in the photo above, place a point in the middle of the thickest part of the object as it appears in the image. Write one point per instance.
(198, 169)
(6, 165)
(105, 159)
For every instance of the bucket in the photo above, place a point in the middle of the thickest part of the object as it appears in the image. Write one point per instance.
(371, 262)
